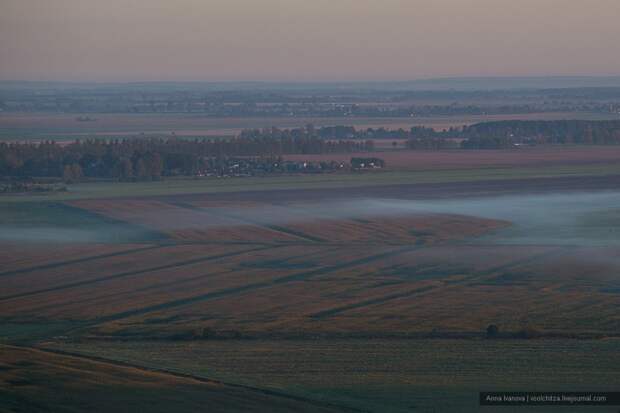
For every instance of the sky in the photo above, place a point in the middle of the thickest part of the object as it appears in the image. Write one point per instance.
(305, 40)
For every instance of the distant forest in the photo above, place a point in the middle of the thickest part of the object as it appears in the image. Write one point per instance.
(490, 135)
(141, 158)
(507, 133)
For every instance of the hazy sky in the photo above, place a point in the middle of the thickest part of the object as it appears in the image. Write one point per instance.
(306, 40)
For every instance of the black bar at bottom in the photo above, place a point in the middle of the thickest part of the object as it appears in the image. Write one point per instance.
(549, 398)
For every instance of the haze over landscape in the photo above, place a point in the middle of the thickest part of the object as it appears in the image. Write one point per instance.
(309, 206)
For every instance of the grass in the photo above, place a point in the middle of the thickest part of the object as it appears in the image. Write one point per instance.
(32, 380)
(221, 185)
(385, 375)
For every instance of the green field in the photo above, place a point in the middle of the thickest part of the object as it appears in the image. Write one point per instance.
(386, 375)
(178, 186)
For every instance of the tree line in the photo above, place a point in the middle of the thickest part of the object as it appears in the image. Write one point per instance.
(152, 158)
(502, 134)
(490, 134)
(507, 134)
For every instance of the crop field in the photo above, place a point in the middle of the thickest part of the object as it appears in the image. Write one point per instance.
(225, 222)
(381, 294)
(304, 269)
(15, 257)
(372, 298)
(55, 280)
(211, 265)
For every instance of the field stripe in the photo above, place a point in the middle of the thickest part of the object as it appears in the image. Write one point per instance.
(271, 227)
(132, 273)
(254, 286)
(518, 262)
(77, 261)
(378, 300)
(447, 285)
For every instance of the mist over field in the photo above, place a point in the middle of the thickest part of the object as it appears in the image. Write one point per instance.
(67, 235)
(580, 219)
(558, 219)
(48, 234)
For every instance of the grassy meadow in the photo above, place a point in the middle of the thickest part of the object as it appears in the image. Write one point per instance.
(386, 375)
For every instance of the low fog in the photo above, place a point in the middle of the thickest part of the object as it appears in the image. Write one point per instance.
(582, 219)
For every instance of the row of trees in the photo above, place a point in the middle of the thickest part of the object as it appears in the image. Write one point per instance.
(152, 158)
(507, 134)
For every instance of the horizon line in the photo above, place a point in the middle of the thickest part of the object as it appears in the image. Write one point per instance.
(332, 81)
